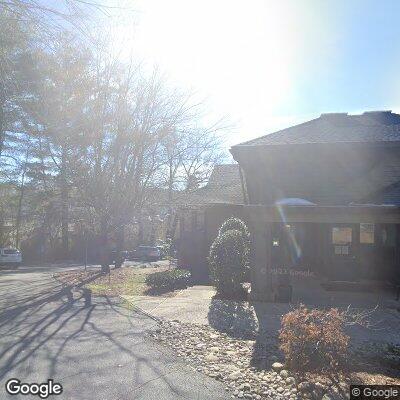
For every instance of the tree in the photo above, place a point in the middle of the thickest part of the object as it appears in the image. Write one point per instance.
(229, 257)
(60, 96)
(88, 142)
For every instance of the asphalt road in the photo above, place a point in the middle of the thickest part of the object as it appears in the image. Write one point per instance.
(99, 352)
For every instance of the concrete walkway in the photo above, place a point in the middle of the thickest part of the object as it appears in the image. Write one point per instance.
(196, 305)
(189, 305)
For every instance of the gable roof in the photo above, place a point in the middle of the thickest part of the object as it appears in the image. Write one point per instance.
(223, 186)
(369, 127)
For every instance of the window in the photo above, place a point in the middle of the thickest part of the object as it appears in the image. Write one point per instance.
(388, 235)
(367, 233)
(341, 235)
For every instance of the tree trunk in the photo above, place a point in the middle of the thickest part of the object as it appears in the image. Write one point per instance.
(172, 229)
(140, 231)
(64, 205)
(120, 246)
(104, 251)
(2, 118)
(20, 199)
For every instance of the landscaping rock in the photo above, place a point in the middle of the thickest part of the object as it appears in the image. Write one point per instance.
(277, 366)
(290, 381)
(229, 360)
(211, 358)
(234, 375)
(284, 373)
(304, 386)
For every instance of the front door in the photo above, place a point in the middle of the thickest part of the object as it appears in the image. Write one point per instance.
(343, 248)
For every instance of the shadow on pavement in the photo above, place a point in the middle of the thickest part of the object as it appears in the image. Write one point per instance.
(235, 318)
(41, 325)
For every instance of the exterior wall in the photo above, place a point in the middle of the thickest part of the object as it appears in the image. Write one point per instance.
(199, 228)
(272, 276)
(329, 175)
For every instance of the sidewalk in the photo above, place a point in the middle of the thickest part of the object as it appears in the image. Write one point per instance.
(190, 305)
(195, 305)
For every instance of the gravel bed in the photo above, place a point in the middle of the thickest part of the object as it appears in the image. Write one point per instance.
(236, 363)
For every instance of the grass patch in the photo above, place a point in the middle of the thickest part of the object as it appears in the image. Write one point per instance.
(121, 281)
(124, 281)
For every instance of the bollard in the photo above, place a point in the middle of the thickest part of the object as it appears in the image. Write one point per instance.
(87, 296)
(69, 294)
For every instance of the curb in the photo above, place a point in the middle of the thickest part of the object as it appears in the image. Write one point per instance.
(145, 313)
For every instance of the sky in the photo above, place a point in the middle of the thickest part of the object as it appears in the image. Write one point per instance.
(266, 65)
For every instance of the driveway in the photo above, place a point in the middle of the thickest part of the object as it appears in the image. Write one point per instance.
(100, 352)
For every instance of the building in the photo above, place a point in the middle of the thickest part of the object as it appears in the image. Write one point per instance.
(323, 204)
(198, 224)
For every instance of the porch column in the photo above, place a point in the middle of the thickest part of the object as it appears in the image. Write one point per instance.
(261, 260)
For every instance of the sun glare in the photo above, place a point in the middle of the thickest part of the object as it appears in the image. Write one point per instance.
(236, 56)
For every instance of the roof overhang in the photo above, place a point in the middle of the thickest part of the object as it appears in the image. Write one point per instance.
(324, 214)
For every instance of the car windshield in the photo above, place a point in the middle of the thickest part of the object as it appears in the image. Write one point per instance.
(10, 251)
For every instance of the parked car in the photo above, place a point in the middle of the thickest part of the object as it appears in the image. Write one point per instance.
(132, 255)
(123, 256)
(10, 257)
(148, 253)
(163, 251)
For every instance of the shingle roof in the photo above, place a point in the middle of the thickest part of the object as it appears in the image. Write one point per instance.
(373, 126)
(224, 185)
(387, 196)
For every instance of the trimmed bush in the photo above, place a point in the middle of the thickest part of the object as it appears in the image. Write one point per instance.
(228, 260)
(313, 339)
(234, 223)
(169, 280)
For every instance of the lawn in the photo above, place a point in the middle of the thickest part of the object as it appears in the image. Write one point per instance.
(121, 281)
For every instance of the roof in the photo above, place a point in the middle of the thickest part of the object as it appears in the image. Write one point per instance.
(224, 186)
(369, 127)
(388, 196)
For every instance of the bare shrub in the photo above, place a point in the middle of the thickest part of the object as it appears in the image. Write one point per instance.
(312, 339)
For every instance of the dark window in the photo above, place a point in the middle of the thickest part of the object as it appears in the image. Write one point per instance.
(388, 236)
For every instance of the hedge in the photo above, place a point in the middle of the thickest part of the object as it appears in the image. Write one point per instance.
(171, 279)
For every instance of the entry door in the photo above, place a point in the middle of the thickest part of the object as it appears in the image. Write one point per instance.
(287, 245)
(343, 252)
